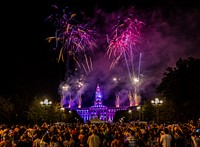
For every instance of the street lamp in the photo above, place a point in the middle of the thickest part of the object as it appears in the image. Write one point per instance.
(76, 120)
(45, 104)
(157, 103)
(130, 115)
(62, 109)
(139, 109)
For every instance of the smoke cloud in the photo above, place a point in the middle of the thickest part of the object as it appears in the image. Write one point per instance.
(167, 35)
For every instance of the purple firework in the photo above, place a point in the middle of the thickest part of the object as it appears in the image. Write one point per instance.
(72, 38)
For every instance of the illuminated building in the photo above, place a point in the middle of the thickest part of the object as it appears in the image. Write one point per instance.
(98, 110)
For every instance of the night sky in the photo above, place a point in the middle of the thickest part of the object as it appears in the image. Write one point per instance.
(28, 62)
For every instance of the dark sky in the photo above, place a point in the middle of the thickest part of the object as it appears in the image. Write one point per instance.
(28, 62)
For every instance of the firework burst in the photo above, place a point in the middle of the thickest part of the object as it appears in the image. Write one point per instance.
(122, 45)
(72, 38)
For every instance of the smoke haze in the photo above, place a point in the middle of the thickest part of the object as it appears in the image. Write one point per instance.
(167, 35)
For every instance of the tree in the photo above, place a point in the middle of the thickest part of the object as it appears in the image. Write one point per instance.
(121, 115)
(72, 116)
(181, 86)
(38, 113)
(148, 111)
(6, 110)
(167, 111)
(52, 113)
(35, 112)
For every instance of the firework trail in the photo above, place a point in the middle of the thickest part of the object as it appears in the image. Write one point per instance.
(122, 45)
(71, 89)
(71, 37)
(139, 66)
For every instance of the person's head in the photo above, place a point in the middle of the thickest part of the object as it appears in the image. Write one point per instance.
(116, 136)
(39, 134)
(132, 132)
(166, 130)
(6, 131)
(94, 131)
(179, 132)
(81, 131)
(54, 138)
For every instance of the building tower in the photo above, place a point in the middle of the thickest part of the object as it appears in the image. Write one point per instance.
(98, 97)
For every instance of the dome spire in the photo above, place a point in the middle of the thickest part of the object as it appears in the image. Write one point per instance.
(98, 96)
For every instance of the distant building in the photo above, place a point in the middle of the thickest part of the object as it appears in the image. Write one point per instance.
(98, 110)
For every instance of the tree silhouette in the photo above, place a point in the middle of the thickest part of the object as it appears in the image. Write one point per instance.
(181, 86)
(6, 110)
(38, 113)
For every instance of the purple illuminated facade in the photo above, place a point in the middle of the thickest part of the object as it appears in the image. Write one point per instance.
(98, 110)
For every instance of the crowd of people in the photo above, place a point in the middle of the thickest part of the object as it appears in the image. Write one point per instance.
(100, 135)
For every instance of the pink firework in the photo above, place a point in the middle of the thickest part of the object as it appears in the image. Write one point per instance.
(124, 39)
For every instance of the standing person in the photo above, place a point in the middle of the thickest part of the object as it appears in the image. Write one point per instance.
(44, 142)
(180, 139)
(116, 141)
(7, 139)
(94, 140)
(81, 138)
(165, 138)
(36, 141)
(131, 141)
(152, 140)
(54, 141)
(195, 139)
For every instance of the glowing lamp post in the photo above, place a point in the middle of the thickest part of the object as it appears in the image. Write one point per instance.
(62, 109)
(139, 109)
(130, 114)
(45, 104)
(157, 103)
